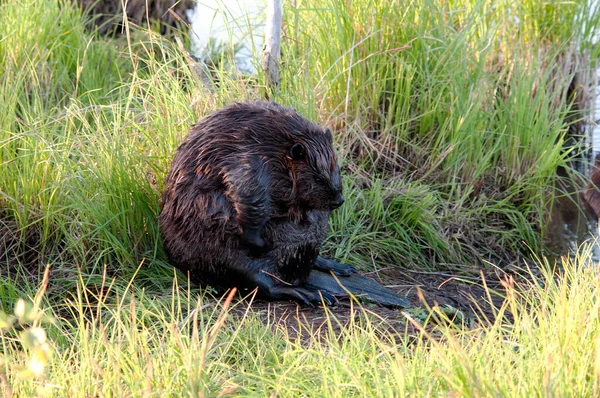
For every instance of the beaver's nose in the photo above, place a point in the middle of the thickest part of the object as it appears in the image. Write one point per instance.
(338, 201)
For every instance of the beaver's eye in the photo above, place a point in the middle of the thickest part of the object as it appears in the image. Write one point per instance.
(298, 152)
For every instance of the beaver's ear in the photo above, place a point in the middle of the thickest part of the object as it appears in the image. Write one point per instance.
(298, 152)
(328, 135)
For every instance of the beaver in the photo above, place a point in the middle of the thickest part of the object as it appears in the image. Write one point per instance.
(247, 202)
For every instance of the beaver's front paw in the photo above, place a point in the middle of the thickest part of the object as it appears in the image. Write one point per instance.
(253, 240)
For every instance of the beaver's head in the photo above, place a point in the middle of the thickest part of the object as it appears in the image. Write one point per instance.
(314, 171)
(303, 167)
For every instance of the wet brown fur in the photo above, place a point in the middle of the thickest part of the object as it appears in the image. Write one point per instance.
(234, 171)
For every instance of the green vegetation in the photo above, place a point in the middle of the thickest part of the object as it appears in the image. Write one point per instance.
(450, 119)
(545, 341)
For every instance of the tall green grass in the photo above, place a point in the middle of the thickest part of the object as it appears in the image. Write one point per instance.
(467, 98)
(450, 119)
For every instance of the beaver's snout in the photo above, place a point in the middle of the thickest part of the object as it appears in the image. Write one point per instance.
(338, 201)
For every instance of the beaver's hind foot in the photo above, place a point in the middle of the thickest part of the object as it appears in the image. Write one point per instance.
(328, 264)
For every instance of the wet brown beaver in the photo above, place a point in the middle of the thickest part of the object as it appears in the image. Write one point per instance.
(247, 202)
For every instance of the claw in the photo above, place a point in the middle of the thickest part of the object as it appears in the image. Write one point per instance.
(328, 298)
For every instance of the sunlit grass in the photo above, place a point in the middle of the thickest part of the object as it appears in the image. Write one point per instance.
(113, 339)
(450, 119)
